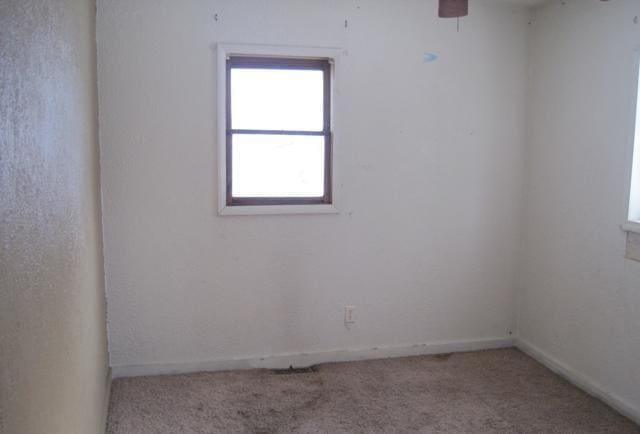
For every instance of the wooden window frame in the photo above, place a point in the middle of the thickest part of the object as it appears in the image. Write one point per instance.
(293, 63)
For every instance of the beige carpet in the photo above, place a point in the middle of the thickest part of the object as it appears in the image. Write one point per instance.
(486, 391)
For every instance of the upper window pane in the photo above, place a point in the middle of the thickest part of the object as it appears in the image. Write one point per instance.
(277, 99)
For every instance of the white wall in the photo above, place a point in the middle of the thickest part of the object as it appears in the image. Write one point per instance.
(431, 162)
(580, 297)
(53, 350)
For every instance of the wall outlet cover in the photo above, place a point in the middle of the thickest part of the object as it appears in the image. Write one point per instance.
(349, 317)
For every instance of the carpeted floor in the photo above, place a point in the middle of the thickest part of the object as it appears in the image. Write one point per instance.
(486, 391)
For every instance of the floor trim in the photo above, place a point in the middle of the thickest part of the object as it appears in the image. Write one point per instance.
(579, 380)
(282, 361)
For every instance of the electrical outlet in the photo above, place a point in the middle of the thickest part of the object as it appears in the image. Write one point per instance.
(349, 318)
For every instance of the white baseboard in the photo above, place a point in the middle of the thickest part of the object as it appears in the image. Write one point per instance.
(107, 398)
(579, 380)
(283, 361)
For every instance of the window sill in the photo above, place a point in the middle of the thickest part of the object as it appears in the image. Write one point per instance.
(277, 210)
(631, 226)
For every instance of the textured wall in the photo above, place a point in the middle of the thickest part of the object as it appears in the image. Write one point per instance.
(426, 242)
(53, 355)
(580, 296)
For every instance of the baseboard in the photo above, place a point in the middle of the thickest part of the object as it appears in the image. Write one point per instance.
(579, 380)
(282, 361)
(107, 398)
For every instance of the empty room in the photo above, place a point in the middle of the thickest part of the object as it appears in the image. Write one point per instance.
(319, 216)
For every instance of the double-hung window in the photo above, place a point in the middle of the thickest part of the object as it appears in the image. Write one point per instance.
(278, 140)
(632, 226)
(634, 194)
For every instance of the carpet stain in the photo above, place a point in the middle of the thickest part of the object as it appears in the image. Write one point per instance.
(442, 357)
(292, 370)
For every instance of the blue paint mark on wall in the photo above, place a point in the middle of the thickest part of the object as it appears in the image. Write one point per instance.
(430, 57)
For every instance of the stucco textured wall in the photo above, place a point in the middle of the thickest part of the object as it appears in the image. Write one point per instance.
(580, 299)
(430, 158)
(53, 353)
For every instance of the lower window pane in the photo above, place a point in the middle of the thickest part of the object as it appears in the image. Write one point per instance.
(277, 166)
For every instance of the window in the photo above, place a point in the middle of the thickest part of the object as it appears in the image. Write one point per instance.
(634, 195)
(278, 135)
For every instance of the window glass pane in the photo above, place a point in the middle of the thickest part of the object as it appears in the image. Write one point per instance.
(277, 166)
(275, 99)
(634, 205)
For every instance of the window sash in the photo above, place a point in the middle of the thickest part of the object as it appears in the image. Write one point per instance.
(247, 62)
